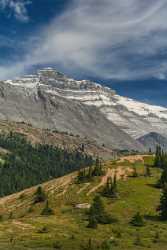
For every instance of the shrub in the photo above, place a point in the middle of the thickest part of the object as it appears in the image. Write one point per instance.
(156, 238)
(108, 244)
(44, 229)
(57, 245)
(47, 210)
(137, 220)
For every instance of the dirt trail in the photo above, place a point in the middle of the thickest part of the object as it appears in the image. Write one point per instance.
(120, 172)
(83, 188)
(61, 185)
(132, 158)
(65, 185)
(13, 201)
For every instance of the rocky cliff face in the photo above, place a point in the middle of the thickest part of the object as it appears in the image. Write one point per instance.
(52, 100)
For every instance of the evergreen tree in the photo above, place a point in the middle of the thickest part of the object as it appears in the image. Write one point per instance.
(135, 173)
(160, 160)
(39, 195)
(137, 220)
(97, 212)
(47, 210)
(98, 169)
(86, 175)
(158, 155)
(163, 179)
(163, 204)
(110, 189)
(81, 176)
(92, 221)
(147, 171)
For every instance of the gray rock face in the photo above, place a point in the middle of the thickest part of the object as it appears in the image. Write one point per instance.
(37, 101)
(52, 100)
(151, 140)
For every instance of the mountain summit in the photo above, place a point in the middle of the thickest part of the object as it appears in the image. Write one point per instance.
(51, 100)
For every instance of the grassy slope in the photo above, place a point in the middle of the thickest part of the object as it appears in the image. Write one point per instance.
(68, 225)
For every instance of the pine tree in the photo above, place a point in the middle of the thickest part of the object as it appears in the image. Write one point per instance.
(110, 190)
(97, 211)
(98, 169)
(135, 174)
(47, 210)
(160, 160)
(92, 222)
(137, 220)
(163, 179)
(147, 171)
(163, 204)
(39, 195)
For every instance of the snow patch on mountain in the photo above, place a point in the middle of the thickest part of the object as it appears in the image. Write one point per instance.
(134, 117)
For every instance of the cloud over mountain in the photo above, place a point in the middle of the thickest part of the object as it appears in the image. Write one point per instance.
(111, 39)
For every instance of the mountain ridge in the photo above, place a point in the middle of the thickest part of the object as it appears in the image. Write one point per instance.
(31, 101)
(152, 140)
(52, 100)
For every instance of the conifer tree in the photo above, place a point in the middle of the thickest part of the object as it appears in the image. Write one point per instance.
(92, 222)
(135, 174)
(163, 203)
(47, 210)
(160, 160)
(110, 190)
(163, 179)
(98, 168)
(137, 220)
(39, 195)
(147, 171)
(97, 211)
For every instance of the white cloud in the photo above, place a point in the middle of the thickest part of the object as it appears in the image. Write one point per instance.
(119, 39)
(17, 8)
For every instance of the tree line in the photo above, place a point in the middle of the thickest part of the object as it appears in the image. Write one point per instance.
(26, 165)
(160, 161)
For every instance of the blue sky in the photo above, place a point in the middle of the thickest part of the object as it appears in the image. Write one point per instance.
(122, 43)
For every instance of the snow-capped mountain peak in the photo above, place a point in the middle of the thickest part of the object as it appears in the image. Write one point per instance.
(133, 117)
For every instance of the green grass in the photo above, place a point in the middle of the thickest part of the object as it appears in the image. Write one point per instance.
(149, 160)
(68, 225)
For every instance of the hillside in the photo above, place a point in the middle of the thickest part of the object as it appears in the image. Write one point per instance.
(25, 165)
(23, 227)
(57, 138)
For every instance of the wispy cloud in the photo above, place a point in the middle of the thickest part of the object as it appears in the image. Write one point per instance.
(18, 8)
(123, 39)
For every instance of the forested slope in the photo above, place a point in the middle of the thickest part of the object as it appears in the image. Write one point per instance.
(25, 165)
